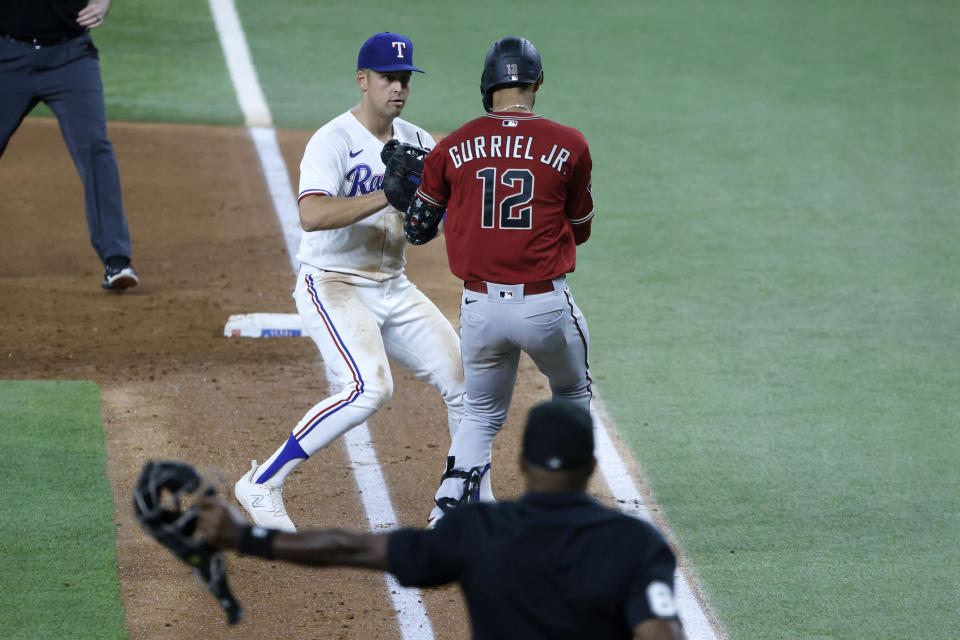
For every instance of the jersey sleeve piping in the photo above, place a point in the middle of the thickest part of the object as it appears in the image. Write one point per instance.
(586, 218)
(313, 192)
(430, 200)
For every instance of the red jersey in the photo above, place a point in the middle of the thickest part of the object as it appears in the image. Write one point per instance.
(517, 191)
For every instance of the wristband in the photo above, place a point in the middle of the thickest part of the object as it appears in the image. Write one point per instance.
(257, 541)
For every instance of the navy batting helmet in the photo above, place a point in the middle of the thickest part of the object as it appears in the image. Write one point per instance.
(510, 62)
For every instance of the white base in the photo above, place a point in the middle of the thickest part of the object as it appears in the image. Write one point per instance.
(264, 325)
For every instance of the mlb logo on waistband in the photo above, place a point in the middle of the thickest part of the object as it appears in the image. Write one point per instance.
(506, 294)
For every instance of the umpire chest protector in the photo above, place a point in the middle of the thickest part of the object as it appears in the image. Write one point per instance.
(510, 62)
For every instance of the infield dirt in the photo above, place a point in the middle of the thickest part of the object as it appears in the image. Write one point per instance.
(206, 245)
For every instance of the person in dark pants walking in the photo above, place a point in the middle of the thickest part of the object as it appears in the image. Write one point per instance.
(46, 54)
(554, 564)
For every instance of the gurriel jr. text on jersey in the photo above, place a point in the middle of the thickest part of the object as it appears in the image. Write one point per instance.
(516, 147)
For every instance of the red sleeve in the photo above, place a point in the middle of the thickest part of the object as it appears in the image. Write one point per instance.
(580, 198)
(434, 187)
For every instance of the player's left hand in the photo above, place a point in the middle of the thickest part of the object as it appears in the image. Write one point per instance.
(160, 506)
(218, 523)
(404, 167)
(93, 15)
(421, 221)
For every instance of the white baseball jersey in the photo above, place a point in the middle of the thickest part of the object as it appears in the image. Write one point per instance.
(342, 159)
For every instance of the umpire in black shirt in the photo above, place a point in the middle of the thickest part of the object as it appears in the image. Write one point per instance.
(46, 54)
(554, 564)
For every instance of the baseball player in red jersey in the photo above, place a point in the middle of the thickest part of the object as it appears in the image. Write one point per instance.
(516, 190)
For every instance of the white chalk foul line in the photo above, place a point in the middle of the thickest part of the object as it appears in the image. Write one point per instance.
(240, 64)
(695, 622)
(278, 182)
(411, 612)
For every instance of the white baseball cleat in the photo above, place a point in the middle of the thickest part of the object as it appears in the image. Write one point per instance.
(264, 502)
(434, 517)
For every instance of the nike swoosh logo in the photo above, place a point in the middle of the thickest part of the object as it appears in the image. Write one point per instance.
(468, 301)
(354, 155)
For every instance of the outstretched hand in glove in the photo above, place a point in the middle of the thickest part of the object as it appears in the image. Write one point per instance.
(161, 503)
(404, 167)
(218, 523)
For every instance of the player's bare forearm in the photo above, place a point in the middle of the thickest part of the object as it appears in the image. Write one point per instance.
(333, 548)
(659, 629)
(318, 213)
(222, 526)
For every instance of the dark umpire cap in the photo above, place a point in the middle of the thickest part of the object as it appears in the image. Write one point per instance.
(558, 436)
(386, 52)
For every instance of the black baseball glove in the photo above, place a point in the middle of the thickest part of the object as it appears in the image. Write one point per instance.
(404, 167)
(157, 505)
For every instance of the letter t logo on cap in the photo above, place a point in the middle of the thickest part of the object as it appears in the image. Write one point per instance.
(400, 46)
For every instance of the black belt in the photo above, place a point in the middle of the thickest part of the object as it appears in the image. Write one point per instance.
(41, 42)
(529, 288)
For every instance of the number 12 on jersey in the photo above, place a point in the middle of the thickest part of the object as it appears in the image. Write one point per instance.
(516, 212)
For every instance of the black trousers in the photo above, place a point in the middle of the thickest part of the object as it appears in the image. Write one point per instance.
(67, 78)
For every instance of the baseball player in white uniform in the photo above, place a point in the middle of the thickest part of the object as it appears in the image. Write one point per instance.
(351, 292)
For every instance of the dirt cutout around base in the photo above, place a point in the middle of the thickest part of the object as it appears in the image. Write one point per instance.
(207, 244)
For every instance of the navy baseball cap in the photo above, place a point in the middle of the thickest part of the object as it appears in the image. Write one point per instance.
(558, 436)
(387, 52)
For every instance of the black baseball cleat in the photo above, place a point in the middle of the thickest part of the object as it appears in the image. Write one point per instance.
(119, 275)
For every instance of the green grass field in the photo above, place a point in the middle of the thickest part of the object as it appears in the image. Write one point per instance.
(772, 284)
(59, 577)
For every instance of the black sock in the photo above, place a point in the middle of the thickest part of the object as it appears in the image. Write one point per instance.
(118, 262)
